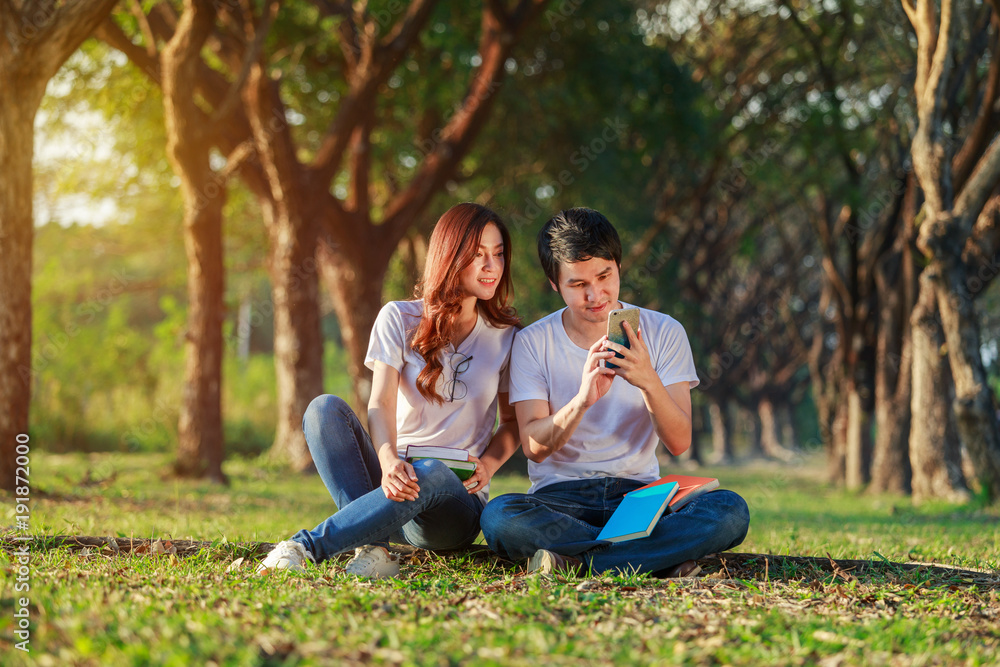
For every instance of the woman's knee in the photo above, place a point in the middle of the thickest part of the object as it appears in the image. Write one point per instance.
(322, 408)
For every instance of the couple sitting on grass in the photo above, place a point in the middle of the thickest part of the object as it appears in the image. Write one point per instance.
(445, 364)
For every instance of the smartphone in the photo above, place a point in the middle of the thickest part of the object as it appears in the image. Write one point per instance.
(616, 332)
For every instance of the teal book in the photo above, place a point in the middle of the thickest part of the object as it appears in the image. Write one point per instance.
(638, 513)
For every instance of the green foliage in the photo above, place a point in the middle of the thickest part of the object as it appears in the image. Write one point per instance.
(109, 320)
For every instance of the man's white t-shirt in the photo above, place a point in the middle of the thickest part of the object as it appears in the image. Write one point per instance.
(465, 423)
(616, 437)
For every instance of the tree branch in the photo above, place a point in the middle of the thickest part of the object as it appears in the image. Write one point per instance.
(109, 32)
(495, 46)
(962, 162)
(147, 32)
(251, 56)
(360, 101)
(65, 28)
(984, 178)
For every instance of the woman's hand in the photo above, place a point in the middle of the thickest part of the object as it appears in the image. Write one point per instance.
(399, 480)
(480, 478)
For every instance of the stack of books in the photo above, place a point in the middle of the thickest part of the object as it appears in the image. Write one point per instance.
(639, 510)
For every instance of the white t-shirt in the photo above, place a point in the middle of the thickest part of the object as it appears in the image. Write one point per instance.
(616, 437)
(466, 423)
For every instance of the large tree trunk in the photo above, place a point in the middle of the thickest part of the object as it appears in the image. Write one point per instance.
(292, 225)
(17, 117)
(298, 339)
(33, 46)
(974, 411)
(355, 277)
(958, 174)
(200, 447)
(934, 448)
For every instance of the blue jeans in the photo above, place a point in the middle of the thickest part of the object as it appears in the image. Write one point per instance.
(444, 515)
(566, 518)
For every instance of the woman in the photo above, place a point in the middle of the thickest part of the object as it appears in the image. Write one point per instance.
(440, 374)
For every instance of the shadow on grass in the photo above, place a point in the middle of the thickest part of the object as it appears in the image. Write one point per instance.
(739, 566)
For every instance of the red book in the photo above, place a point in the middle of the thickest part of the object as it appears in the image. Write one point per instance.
(688, 489)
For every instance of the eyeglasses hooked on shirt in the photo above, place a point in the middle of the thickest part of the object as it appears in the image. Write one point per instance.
(457, 390)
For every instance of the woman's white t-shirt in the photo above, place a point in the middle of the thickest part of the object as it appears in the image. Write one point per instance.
(467, 423)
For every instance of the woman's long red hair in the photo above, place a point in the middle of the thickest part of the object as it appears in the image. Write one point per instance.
(453, 246)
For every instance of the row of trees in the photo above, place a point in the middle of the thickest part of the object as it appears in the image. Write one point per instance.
(817, 210)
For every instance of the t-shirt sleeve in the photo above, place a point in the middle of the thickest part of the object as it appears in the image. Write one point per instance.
(387, 339)
(676, 363)
(527, 377)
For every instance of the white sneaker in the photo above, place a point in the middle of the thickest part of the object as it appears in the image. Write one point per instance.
(373, 561)
(287, 555)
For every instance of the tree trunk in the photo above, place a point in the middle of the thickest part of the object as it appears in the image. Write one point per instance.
(33, 46)
(698, 426)
(354, 278)
(201, 445)
(891, 464)
(291, 218)
(722, 445)
(17, 116)
(838, 434)
(934, 451)
(857, 449)
(298, 340)
(770, 439)
(786, 427)
(755, 449)
(974, 411)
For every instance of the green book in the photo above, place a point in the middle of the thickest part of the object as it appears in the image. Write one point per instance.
(456, 459)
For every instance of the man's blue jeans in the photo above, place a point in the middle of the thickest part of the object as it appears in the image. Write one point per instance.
(444, 515)
(566, 518)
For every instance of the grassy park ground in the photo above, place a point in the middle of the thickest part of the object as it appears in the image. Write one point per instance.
(97, 606)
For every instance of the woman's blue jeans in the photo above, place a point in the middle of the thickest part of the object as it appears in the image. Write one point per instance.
(566, 518)
(444, 515)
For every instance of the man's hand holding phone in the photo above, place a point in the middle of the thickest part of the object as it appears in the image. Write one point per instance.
(635, 365)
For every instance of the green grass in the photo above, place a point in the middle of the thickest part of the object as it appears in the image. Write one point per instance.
(102, 609)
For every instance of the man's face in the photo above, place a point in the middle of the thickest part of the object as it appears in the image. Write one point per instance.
(589, 288)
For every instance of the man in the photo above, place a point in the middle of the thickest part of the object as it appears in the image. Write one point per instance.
(590, 432)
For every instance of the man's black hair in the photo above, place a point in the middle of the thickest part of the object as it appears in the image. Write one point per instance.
(576, 235)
